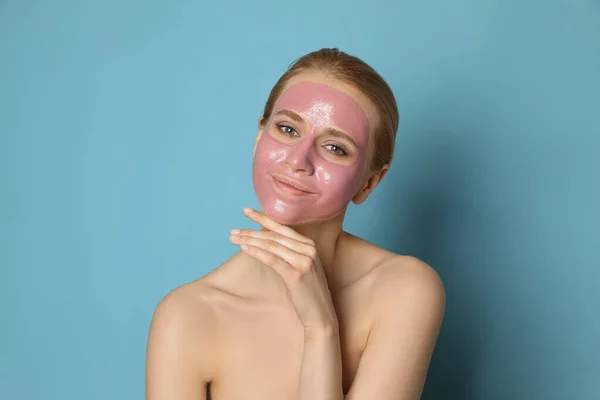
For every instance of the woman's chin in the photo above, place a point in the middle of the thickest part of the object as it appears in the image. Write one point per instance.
(296, 220)
(284, 218)
(294, 214)
(287, 218)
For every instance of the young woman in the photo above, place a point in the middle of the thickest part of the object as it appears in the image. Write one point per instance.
(305, 310)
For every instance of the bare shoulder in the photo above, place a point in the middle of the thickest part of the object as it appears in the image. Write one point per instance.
(407, 285)
(179, 356)
(410, 275)
(187, 305)
(388, 269)
(392, 283)
(195, 302)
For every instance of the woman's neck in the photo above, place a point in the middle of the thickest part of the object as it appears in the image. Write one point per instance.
(325, 235)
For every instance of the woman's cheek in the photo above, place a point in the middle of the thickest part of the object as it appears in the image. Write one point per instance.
(339, 182)
(270, 151)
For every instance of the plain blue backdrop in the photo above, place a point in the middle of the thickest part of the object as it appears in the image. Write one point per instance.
(126, 135)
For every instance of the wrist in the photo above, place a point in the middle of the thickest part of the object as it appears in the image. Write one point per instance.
(323, 331)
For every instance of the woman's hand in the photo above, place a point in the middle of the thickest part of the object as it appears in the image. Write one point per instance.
(294, 257)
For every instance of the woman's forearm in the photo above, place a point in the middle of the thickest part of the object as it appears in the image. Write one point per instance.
(321, 368)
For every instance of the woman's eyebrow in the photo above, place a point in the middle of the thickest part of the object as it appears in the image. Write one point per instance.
(338, 133)
(289, 113)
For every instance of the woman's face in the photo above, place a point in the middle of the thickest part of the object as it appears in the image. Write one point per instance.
(311, 156)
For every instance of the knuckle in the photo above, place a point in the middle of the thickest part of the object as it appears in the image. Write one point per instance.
(296, 276)
(270, 236)
(305, 265)
(270, 257)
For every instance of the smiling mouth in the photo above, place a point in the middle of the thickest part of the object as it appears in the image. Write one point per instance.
(287, 189)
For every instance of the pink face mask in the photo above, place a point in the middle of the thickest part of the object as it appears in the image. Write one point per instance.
(310, 159)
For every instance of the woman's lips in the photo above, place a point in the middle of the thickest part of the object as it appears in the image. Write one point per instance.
(287, 188)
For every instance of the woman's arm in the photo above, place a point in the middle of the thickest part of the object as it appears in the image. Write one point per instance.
(294, 257)
(410, 304)
(321, 368)
(177, 366)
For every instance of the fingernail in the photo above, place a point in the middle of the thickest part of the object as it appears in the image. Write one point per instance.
(234, 237)
(247, 210)
(235, 231)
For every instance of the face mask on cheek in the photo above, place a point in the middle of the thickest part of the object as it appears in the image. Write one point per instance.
(323, 188)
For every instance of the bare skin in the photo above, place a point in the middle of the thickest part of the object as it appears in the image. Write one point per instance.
(237, 329)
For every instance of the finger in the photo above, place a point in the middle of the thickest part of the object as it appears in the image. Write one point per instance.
(283, 268)
(286, 241)
(296, 260)
(263, 220)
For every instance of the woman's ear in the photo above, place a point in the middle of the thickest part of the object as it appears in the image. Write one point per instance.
(370, 185)
(261, 125)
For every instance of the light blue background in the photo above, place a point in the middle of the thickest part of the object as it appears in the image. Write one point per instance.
(125, 150)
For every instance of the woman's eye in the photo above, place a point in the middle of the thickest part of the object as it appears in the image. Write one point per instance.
(335, 149)
(287, 130)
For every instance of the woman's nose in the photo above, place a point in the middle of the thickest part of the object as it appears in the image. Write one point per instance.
(301, 156)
